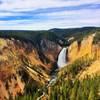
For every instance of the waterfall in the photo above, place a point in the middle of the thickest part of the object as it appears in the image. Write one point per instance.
(62, 58)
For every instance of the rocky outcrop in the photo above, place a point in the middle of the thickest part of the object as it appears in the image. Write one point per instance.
(19, 63)
(85, 47)
(50, 50)
(93, 69)
(96, 50)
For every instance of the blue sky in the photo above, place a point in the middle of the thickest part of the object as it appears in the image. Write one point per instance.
(47, 14)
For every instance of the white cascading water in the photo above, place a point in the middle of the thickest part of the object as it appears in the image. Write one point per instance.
(62, 61)
(62, 58)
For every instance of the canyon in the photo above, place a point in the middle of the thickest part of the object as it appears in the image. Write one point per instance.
(23, 63)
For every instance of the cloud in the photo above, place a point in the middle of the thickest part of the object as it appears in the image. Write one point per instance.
(37, 4)
(49, 24)
(45, 14)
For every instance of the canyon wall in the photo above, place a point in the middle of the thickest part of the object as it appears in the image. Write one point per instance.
(19, 63)
(22, 61)
(85, 47)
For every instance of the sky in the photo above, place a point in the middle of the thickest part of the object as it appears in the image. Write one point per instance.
(47, 14)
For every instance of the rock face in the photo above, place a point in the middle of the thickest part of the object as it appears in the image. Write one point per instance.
(96, 50)
(93, 69)
(22, 61)
(19, 60)
(50, 50)
(86, 47)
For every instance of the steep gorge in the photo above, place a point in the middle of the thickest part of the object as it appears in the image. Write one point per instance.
(21, 62)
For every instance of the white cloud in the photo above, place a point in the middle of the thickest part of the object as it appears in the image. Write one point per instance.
(3, 14)
(65, 23)
(81, 13)
(56, 19)
(36, 4)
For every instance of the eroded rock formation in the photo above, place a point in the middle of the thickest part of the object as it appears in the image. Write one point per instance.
(85, 47)
(19, 60)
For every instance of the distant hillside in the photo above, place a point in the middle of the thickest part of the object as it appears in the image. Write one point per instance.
(55, 35)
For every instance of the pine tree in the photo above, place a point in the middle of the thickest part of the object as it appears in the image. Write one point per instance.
(92, 94)
(74, 90)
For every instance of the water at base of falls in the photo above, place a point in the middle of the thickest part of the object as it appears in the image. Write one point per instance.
(62, 60)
